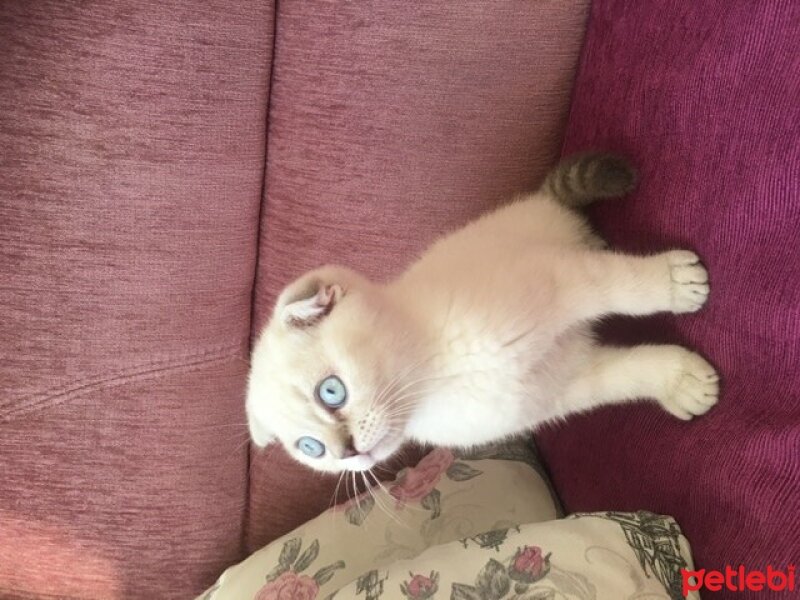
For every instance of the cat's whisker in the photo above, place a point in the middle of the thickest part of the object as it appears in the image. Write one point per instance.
(244, 441)
(391, 498)
(378, 482)
(388, 388)
(390, 384)
(346, 484)
(407, 400)
(395, 421)
(376, 497)
(396, 428)
(383, 470)
(402, 403)
(335, 496)
(402, 395)
(396, 418)
(399, 411)
(358, 502)
(367, 490)
(382, 504)
(399, 393)
(239, 447)
(407, 409)
(332, 503)
(378, 397)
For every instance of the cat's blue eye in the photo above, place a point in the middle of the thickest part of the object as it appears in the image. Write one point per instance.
(311, 446)
(331, 392)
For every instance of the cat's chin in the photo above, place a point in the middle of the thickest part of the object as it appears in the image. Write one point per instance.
(361, 462)
(378, 453)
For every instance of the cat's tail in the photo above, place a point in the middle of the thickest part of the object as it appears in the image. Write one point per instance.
(583, 178)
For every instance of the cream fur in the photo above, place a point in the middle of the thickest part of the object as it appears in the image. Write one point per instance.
(486, 336)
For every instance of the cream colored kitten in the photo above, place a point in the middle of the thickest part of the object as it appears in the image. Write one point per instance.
(486, 336)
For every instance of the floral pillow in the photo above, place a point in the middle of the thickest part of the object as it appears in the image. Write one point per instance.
(480, 526)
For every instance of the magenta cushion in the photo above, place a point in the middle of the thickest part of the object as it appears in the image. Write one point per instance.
(391, 122)
(131, 163)
(704, 97)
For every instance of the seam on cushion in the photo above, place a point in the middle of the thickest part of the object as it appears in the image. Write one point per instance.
(143, 371)
(261, 203)
(263, 192)
(578, 68)
(25, 594)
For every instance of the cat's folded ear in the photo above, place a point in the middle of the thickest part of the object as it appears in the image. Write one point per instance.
(312, 297)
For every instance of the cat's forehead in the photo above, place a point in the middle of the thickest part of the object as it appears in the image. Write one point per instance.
(316, 351)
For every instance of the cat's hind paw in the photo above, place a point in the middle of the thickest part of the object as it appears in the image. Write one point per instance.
(689, 287)
(694, 389)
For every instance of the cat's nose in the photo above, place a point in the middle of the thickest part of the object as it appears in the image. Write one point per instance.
(349, 448)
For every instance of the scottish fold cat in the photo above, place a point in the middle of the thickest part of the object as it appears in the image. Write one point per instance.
(487, 335)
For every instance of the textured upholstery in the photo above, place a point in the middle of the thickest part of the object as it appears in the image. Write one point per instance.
(131, 166)
(390, 123)
(134, 147)
(133, 141)
(704, 96)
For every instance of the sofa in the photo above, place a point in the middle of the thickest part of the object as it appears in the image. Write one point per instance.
(166, 167)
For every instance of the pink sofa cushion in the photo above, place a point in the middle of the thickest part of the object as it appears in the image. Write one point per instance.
(704, 97)
(391, 123)
(131, 162)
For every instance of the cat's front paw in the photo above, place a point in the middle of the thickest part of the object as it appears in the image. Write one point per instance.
(693, 389)
(688, 282)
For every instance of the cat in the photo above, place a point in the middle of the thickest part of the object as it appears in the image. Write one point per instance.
(487, 335)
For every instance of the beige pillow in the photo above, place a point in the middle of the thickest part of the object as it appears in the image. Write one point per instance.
(474, 528)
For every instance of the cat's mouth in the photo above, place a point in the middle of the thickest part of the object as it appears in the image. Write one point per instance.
(380, 451)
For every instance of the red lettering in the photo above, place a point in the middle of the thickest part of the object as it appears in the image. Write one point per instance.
(692, 580)
(739, 580)
(714, 581)
(730, 574)
(772, 574)
(755, 581)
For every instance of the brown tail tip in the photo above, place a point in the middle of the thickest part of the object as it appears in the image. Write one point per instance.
(583, 178)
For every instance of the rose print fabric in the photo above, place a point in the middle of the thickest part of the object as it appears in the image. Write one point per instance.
(481, 526)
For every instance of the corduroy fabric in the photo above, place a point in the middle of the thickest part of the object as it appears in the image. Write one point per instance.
(131, 166)
(704, 97)
(391, 123)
